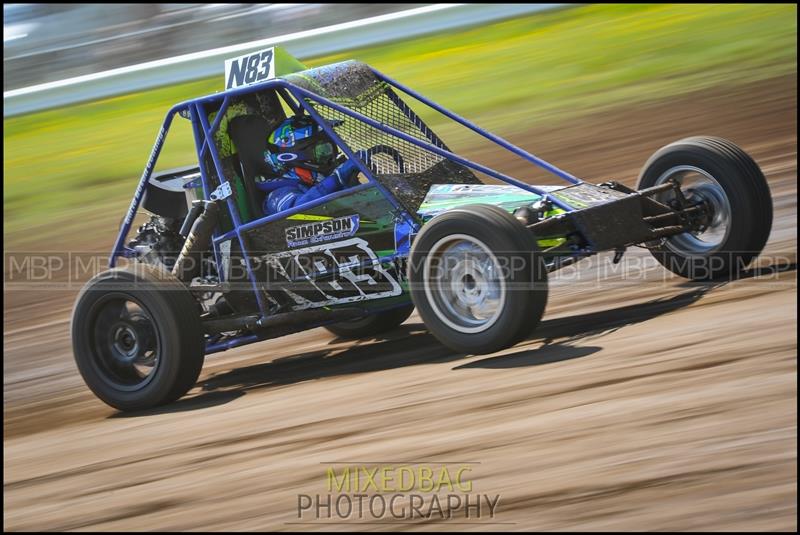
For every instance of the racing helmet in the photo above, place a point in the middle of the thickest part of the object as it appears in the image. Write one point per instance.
(300, 142)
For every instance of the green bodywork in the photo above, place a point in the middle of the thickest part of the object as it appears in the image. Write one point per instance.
(441, 198)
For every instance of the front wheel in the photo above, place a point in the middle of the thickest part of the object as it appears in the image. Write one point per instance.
(137, 337)
(477, 279)
(720, 175)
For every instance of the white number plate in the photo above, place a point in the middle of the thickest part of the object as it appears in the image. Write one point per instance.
(250, 69)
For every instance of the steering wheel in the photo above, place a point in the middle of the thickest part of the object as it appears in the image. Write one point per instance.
(383, 149)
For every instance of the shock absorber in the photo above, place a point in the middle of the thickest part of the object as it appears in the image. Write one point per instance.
(188, 264)
(191, 217)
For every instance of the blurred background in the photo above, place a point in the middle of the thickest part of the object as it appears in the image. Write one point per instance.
(638, 405)
(48, 42)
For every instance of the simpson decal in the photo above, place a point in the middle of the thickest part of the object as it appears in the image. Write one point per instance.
(322, 231)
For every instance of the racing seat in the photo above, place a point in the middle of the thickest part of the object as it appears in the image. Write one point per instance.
(249, 135)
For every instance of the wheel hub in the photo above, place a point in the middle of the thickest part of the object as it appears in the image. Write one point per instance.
(469, 285)
(700, 187)
(126, 343)
(464, 285)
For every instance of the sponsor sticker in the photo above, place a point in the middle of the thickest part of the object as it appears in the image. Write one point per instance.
(331, 274)
(322, 231)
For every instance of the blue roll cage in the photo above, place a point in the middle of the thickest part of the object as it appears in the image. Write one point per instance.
(203, 137)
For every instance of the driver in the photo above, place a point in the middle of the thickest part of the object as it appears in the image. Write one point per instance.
(303, 158)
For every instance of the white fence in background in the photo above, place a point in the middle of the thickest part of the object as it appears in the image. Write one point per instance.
(374, 30)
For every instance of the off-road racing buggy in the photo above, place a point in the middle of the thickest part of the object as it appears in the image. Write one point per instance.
(209, 272)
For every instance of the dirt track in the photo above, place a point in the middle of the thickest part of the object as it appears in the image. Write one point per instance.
(641, 402)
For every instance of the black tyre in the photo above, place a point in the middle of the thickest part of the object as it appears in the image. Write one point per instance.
(371, 325)
(477, 279)
(715, 171)
(137, 337)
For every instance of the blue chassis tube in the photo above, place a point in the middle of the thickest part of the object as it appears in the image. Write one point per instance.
(204, 132)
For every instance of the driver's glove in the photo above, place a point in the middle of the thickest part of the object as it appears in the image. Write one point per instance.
(345, 174)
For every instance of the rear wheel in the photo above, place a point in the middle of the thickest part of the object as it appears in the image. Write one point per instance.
(373, 324)
(717, 173)
(137, 337)
(477, 279)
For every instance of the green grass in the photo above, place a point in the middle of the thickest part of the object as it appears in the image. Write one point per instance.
(66, 165)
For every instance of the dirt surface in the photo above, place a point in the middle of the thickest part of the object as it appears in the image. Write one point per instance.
(642, 402)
